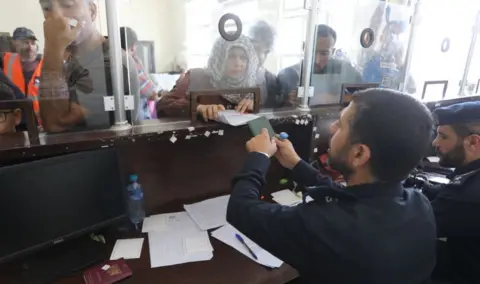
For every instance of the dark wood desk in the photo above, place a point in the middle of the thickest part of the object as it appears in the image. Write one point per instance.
(162, 167)
(226, 266)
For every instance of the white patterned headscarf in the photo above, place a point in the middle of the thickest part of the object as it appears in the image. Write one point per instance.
(217, 63)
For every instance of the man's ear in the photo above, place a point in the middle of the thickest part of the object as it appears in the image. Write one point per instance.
(17, 113)
(472, 142)
(93, 11)
(361, 155)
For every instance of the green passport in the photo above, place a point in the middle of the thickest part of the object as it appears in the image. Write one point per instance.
(258, 124)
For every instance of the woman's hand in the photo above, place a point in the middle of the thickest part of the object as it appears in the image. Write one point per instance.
(209, 112)
(245, 105)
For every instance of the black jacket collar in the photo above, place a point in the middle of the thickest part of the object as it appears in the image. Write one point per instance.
(377, 189)
(475, 165)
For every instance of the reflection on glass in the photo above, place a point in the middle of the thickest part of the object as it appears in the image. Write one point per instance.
(145, 104)
(263, 36)
(76, 69)
(384, 63)
(22, 65)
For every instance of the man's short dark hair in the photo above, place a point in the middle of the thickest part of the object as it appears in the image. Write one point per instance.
(396, 127)
(128, 37)
(263, 33)
(326, 31)
(464, 130)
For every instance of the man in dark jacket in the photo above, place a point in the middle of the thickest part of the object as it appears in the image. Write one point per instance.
(288, 79)
(457, 205)
(371, 231)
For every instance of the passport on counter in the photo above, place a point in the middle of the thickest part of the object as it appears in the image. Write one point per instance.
(109, 272)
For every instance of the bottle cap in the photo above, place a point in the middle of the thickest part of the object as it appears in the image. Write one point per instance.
(283, 135)
(133, 178)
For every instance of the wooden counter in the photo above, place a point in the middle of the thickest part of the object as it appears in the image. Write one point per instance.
(193, 168)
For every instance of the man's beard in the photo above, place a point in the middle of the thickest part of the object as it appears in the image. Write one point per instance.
(452, 159)
(339, 163)
(27, 55)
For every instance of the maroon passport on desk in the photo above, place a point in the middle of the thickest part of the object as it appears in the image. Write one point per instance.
(107, 273)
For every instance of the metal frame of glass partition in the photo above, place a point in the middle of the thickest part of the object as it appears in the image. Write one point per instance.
(116, 66)
(308, 56)
(411, 40)
(471, 50)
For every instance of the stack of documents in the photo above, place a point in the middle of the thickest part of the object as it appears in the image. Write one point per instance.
(234, 118)
(174, 239)
(210, 213)
(226, 234)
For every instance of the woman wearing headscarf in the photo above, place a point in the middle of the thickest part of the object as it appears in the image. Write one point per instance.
(231, 65)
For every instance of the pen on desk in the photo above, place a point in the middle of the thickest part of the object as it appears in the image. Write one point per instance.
(245, 244)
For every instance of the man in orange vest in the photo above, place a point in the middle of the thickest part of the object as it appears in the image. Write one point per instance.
(24, 67)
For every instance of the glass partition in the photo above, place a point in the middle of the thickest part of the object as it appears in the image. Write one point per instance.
(440, 48)
(60, 61)
(365, 43)
(185, 58)
(171, 56)
(472, 87)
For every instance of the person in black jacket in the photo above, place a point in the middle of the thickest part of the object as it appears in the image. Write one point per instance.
(457, 205)
(373, 231)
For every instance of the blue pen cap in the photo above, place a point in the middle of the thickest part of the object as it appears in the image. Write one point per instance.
(133, 178)
(283, 135)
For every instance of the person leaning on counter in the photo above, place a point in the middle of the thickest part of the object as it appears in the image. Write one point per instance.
(457, 205)
(372, 230)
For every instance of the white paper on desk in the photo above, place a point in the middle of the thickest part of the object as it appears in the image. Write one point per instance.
(155, 223)
(234, 118)
(168, 248)
(197, 243)
(170, 222)
(226, 234)
(128, 249)
(210, 213)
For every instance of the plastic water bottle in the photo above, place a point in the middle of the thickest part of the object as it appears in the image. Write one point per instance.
(136, 212)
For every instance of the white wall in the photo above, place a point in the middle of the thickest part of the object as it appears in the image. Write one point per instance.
(161, 21)
(22, 13)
